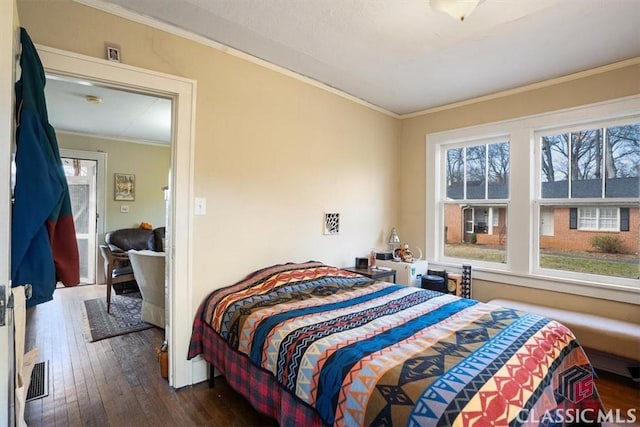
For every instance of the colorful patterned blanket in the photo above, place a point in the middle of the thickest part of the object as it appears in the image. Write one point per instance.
(363, 352)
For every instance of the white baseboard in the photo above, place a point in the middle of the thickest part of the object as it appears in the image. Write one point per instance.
(199, 370)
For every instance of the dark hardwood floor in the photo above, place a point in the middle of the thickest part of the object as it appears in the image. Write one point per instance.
(117, 382)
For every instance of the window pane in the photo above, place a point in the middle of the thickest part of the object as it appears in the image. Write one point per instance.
(622, 161)
(596, 246)
(476, 162)
(608, 219)
(587, 219)
(555, 166)
(498, 173)
(586, 163)
(455, 174)
(471, 234)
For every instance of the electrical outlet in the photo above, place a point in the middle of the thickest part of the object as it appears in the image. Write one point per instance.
(201, 206)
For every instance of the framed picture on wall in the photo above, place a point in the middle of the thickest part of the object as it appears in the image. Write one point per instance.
(124, 187)
(113, 53)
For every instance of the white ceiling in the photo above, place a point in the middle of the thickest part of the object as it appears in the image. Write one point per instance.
(121, 114)
(399, 55)
(405, 57)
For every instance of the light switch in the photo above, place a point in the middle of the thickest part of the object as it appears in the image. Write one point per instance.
(124, 208)
(201, 206)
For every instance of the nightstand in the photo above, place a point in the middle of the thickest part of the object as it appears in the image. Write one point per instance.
(408, 273)
(373, 273)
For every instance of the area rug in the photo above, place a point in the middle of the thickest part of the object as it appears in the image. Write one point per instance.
(124, 317)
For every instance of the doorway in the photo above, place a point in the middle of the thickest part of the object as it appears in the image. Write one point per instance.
(178, 245)
(82, 192)
(85, 172)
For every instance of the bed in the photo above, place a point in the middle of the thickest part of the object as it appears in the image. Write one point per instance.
(311, 344)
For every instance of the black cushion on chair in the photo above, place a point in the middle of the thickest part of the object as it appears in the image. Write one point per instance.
(158, 236)
(130, 238)
(139, 239)
(126, 287)
(121, 271)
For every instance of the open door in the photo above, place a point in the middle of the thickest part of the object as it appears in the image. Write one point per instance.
(9, 40)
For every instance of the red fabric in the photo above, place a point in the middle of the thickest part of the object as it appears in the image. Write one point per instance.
(259, 386)
(64, 247)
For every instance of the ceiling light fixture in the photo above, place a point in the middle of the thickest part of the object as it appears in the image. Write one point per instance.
(458, 9)
(92, 99)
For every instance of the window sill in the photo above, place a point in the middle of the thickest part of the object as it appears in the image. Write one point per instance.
(614, 292)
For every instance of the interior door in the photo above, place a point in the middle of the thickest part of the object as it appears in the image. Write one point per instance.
(9, 37)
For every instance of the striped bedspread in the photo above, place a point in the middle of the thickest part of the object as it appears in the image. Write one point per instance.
(363, 352)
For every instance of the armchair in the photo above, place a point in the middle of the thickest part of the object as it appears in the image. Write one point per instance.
(149, 271)
(117, 268)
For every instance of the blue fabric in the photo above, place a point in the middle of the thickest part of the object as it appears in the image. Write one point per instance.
(331, 376)
(262, 331)
(40, 183)
(37, 191)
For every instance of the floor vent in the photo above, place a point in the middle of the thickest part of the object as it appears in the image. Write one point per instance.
(39, 386)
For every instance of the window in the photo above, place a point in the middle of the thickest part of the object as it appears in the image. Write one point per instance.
(598, 164)
(562, 188)
(477, 177)
(598, 219)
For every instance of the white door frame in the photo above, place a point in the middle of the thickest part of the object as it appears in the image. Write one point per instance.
(178, 244)
(101, 200)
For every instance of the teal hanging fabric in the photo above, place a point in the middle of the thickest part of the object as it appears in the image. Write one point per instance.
(44, 249)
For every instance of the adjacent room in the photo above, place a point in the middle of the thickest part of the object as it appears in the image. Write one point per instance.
(421, 212)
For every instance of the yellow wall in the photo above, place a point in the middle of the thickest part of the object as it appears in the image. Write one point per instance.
(272, 153)
(586, 90)
(149, 163)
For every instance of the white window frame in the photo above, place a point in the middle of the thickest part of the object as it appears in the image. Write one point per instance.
(523, 211)
(475, 203)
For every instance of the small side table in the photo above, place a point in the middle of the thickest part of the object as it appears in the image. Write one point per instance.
(373, 273)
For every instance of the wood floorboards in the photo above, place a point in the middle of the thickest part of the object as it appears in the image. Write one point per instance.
(116, 381)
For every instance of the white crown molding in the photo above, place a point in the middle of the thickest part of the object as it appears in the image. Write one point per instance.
(114, 138)
(533, 86)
